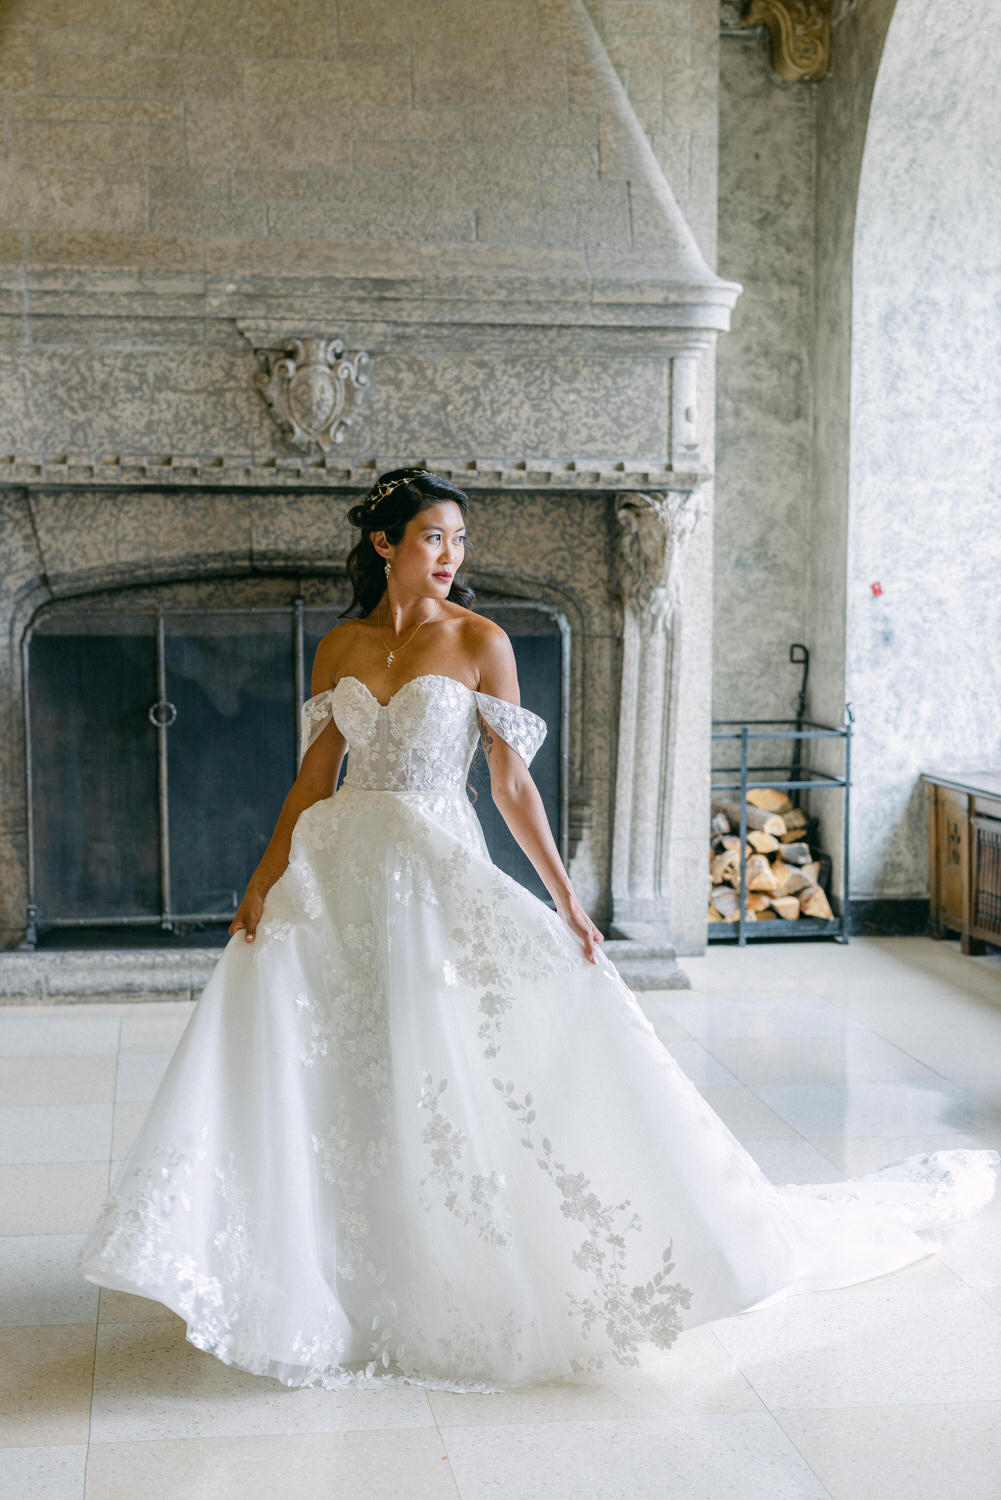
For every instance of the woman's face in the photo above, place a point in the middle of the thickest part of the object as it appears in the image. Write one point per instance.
(431, 550)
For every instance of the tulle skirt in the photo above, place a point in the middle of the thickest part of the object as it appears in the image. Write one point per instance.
(412, 1134)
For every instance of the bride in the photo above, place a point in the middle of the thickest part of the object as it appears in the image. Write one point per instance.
(417, 1128)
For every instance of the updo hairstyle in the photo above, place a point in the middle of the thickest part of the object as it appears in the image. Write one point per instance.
(397, 496)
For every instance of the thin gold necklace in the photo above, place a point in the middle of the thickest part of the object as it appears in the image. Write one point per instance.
(391, 654)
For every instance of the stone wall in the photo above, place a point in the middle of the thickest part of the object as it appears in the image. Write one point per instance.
(764, 448)
(923, 666)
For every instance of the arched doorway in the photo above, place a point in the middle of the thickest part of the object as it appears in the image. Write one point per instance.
(923, 669)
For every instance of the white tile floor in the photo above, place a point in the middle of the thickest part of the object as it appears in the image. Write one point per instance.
(824, 1059)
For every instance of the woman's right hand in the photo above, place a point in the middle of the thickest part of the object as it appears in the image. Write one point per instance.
(248, 913)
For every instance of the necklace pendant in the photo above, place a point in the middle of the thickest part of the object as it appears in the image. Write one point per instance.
(389, 659)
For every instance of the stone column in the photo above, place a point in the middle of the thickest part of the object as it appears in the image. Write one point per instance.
(659, 786)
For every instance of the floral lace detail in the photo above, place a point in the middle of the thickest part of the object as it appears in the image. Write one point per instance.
(630, 1315)
(446, 1145)
(422, 739)
(139, 1225)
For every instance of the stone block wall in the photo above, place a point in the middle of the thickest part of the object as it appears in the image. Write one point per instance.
(375, 120)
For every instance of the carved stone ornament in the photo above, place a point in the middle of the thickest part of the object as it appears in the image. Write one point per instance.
(801, 35)
(651, 531)
(313, 387)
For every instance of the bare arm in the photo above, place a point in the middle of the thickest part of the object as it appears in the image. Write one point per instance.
(517, 797)
(317, 778)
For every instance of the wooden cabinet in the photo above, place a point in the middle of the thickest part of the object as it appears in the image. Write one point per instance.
(964, 855)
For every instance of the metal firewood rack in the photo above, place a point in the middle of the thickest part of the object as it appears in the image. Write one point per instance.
(795, 779)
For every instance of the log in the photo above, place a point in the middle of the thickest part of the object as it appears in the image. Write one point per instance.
(783, 874)
(759, 875)
(786, 906)
(769, 799)
(796, 854)
(765, 916)
(795, 818)
(720, 823)
(726, 902)
(757, 901)
(765, 821)
(763, 843)
(796, 882)
(714, 915)
(792, 835)
(812, 871)
(725, 866)
(813, 903)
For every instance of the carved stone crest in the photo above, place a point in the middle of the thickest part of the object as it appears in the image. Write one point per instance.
(313, 386)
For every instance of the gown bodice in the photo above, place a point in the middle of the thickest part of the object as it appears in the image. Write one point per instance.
(422, 739)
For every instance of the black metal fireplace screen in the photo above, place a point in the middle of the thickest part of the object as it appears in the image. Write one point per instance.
(160, 744)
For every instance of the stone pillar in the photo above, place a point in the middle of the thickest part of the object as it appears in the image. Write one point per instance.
(652, 800)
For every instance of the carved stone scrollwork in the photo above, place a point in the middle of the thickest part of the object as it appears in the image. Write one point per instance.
(651, 531)
(313, 386)
(801, 35)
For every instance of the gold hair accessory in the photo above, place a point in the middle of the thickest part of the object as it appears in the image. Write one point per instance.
(382, 490)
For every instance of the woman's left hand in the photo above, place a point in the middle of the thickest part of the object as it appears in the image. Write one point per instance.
(579, 922)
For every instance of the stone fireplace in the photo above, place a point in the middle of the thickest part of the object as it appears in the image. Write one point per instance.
(558, 366)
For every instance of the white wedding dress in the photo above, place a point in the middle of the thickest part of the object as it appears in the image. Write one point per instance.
(411, 1134)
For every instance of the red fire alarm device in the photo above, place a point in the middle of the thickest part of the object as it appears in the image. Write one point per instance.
(877, 588)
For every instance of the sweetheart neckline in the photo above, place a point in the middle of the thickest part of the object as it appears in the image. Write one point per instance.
(441, 676)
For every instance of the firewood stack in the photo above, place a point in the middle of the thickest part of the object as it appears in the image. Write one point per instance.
(782, 879)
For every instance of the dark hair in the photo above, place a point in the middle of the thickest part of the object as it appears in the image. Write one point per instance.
(389, 509)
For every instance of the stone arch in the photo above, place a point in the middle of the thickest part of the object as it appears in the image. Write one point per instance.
(922, 667)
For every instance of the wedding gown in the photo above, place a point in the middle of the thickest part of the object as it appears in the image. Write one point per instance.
(411, 1134)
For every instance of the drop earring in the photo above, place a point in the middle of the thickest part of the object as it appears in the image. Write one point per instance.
(387, 568)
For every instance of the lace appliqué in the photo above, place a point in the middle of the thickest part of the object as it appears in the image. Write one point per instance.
(629, 1315)
(446, 1145)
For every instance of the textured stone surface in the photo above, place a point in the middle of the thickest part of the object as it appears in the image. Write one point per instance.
(923, 665)
(765, 410)
(235, 105)
(842, 115)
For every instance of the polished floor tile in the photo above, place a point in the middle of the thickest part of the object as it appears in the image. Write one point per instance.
(149, 1382)
(46, 1376)
(139, 1075)
(708, 1017)
(43, 1473)
(57, 1080)
(816, 1059)
(744, 1456)
(51, 1197)
(858, 1155)
(746, 1115)
(378, 1465)
(39, 1281)
(54, 1132)
(869, 1345)
(889, 1107)
(928, 1452)
(24, 1034)
(793, 1161)
(696, 1376)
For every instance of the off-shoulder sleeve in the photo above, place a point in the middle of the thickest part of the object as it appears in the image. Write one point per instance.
(519, 727)
(317, 713)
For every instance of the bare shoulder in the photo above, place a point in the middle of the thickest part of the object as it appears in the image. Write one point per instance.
(330, 653)
(489, 647)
